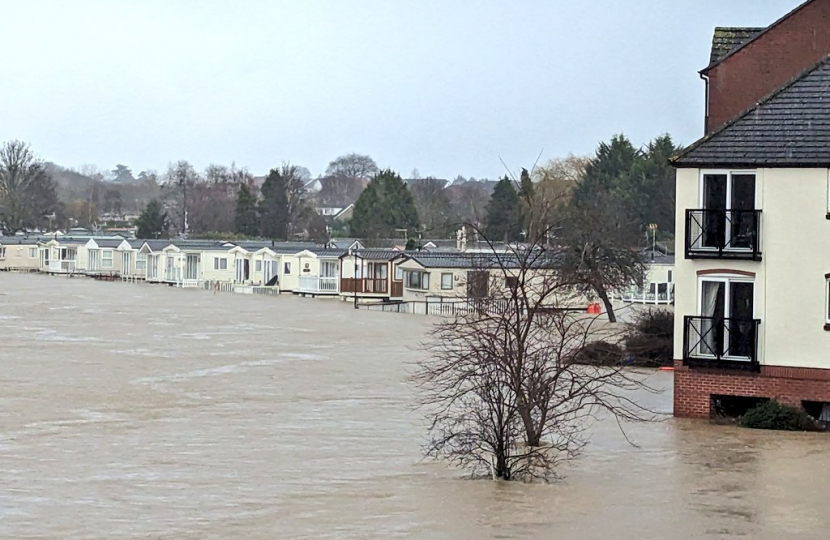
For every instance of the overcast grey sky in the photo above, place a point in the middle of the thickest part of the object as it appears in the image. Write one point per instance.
(447, 87)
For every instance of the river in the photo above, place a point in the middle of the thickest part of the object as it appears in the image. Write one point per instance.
(141, 411)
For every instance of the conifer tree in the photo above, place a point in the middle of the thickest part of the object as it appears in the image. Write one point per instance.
(503, 221)
(246, 220)
(385, 205)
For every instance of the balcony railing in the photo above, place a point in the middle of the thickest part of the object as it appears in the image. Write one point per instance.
(62, 266)
(723, 234)
(721, 342)
(364, 286)
(315, 284)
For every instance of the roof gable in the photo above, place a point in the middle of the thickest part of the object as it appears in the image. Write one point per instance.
(739, 46)
(789, 128)
(728, 39)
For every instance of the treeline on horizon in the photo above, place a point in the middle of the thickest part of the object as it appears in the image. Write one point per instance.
(635, 185)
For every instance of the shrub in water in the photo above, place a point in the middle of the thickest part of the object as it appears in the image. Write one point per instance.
(652, 343)
(600, 353)
(773, 415)
(656, 322)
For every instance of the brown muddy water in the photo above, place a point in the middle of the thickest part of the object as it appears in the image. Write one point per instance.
(140, 411)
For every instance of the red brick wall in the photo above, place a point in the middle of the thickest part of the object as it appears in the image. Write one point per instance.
(693, 388)
(767, 63)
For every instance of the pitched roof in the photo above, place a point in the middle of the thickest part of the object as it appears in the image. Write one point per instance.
(789, 128)
(727, 39)
(746, 42)
(480, 260)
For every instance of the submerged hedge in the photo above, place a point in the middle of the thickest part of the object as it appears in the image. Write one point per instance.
(773, 415)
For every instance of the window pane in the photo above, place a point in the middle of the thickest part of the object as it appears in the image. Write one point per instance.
(446, 281)
(426, 281)
(398, 273)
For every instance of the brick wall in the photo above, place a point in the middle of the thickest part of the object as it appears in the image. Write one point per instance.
(693, 388)
(768, 62)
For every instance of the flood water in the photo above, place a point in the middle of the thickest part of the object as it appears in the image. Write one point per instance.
(141, 411)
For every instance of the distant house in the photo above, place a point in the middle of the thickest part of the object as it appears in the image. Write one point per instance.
(752, 301)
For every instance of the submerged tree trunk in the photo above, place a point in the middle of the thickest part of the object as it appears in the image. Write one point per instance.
(607, 301)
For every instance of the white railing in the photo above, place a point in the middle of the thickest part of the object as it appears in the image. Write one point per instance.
(272, 291)
(329, 284)
(314, 284)
(644, 296)
(172, 274)
(62, 267)
(218, 286)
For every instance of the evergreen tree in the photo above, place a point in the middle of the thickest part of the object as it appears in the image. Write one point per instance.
(384, 205)
(652, 185)
(610, 170)
(152, 223)
(503, 221)
(246, 221)
(273, 209)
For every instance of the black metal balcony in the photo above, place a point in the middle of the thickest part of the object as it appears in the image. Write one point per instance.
(718, 342)
(723, 234)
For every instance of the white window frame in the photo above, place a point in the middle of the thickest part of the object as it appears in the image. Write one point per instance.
(445, 275)
(220, 263)
(729, 173)
(33, 252)
(423, 281)
(141, 261)
(728, 279)
(827, 299)
(106, 262)
(828, 194)
(286, 268)
(398, 273)
(2, 253)
(258, 265)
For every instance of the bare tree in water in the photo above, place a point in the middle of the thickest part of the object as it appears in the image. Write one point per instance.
(505, 386)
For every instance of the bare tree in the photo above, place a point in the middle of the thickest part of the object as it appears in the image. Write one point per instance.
(599, 240)
(179, 179)
(433, 204)
(353, 166)
(504, 389)
(27, 193)
(339, 190)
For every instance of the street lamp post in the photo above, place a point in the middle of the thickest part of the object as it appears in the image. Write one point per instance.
(353, 254)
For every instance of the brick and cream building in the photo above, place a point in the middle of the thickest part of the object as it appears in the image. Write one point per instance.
(752, 275)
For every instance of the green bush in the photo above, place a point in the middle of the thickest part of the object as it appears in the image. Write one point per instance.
(600, 353)
(773, 415)
(656, 322)
(652, 342)
(649, 351)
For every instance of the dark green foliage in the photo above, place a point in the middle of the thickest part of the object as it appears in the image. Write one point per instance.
(246, 221)
(385, 205)
(773, 415)
(600, 353)
(503, 221)
(411, 244)
(609, 170)
(651, 186)
(152, 223)
(273, 208)
(652, 342)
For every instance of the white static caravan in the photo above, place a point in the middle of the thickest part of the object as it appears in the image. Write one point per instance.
(101, 256)
(319, 271)
(155, 258)
(19, 253)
